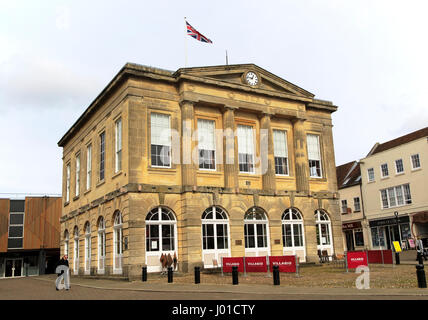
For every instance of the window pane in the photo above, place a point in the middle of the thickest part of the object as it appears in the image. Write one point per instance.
(16, 218)
(14, 243)
(297, 230)
(288, 242)
(15, 231)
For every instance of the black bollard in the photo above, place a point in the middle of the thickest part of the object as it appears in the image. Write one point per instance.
(197, 275)
(420, 273)
(276, 281)
(170, 276)
(144, 274)
(420, 259)
(235, 275)
(397, 258)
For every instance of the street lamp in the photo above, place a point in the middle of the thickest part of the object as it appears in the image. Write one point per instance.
(397, 254)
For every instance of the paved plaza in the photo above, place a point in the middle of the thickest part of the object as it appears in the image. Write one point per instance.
(43, 287)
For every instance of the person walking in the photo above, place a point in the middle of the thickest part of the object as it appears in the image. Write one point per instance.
(62, 268)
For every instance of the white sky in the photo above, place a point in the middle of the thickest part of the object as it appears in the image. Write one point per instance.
(368, 57)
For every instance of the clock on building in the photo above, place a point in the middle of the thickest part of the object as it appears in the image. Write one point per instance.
(251, 78)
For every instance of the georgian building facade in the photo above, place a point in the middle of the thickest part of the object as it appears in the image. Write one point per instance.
(201, 163)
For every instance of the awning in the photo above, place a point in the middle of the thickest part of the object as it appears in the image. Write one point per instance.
(420, 217)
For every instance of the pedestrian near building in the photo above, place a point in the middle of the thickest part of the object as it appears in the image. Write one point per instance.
(420, 249)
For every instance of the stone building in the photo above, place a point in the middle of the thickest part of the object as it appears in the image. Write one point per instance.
(201, 163)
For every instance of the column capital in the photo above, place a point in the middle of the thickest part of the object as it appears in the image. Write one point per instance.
(182, 102)
(227, 108)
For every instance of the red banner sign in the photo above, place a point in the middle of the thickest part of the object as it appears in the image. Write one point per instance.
(356, 259)
(255, 264)
(387, 257)
(228, 263)
(285, 263)
(375, 256)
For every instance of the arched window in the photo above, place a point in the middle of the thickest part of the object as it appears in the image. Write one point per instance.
(66, 242)
(87, 247)
(256, 232)
(101, 244)
(76, 250)
(161, 228)
(293, 235)
(323, 230)
(215, 236)
(117, 243)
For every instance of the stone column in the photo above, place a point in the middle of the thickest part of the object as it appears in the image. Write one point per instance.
(268, 169)
(230, 149)
(301, 156)
(188, 169)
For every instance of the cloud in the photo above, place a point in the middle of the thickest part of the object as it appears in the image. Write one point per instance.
(62, 20)
(43, 82)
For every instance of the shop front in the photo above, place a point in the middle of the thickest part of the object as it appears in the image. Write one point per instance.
(420, 226)
(353, 232)
(385, 231)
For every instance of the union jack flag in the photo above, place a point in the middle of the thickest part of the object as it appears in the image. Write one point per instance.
(195, 34)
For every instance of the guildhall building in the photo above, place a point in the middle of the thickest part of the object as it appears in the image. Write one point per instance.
(203, 163)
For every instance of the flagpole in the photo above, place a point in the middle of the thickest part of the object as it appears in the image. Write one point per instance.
(185, 43)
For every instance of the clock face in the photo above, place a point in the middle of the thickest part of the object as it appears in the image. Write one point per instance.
(251, 78)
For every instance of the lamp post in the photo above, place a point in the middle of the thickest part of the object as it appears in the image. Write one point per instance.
(397, 254)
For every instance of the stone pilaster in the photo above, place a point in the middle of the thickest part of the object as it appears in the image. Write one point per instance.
(301, 156)
(268, 172)
(230, 150)
(188, 167)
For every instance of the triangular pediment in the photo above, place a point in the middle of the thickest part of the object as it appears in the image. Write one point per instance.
(235, 74)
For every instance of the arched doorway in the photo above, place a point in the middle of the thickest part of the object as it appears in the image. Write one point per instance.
(323, 231)
(117, 243)
(161, 231)
(215, 236)
(293, 234)
(256, 233)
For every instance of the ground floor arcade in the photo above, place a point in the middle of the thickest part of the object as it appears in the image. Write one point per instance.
(121, 235)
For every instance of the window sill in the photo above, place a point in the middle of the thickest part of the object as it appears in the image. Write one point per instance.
(417, 169)
(247, 175)
(283, 176)
(317, 179)
(209, 172)
(76, 198)
(371, 181)
(87, 191)
(100, 183)
(66, 203)
(163, 170)
(117, 174)
(399, 174)
(384, 178)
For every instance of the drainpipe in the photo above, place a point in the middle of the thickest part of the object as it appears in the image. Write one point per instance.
(364, 214)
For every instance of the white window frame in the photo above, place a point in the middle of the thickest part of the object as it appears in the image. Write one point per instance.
(88, 248)
(396, 166)
(292, 221)
(252, 223)
(418, 159)
(16, 225)
(102, 164)
(66, 243)
(318, 223)
(118, 146)
(370, 170)
(167, 143)
(88, 167)
(101, 245)
(117, 245)
(359, 204)
(344, 205)
(278, 150)
(216, 253)
(246, 147)
(381, 170)
(67, 186)
(77, 186)
(201, 131)
(311, 154)
(396, 196)
(160, 222)
(76, 251)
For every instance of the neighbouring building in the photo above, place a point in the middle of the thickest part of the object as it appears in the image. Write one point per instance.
(29, 235)
(394, 201)
(351, 206)
(202, 163)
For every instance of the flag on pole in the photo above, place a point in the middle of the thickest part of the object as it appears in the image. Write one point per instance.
(196, 34)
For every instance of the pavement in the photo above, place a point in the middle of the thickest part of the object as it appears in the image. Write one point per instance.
(113, 289)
